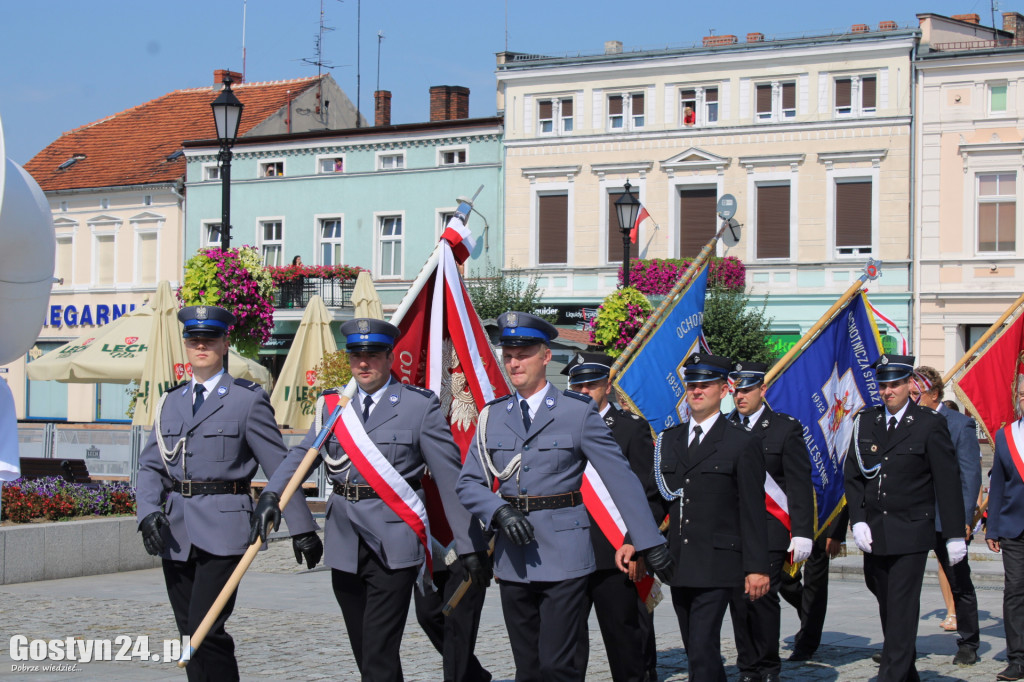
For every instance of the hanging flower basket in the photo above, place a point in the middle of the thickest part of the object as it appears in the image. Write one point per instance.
(619, 318)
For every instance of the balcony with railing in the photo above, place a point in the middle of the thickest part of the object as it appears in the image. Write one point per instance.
(296, 284)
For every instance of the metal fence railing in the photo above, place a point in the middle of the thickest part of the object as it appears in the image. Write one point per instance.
(336, 293)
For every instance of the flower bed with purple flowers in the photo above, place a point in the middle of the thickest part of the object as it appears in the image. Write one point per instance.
(54, 499)
(657, 276)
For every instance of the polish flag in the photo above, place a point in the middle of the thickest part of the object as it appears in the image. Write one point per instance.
(640, 217)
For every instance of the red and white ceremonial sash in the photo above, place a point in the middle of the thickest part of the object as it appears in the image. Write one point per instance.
(1014, 447)
(599, 503)
(776, 502)
(378, 472)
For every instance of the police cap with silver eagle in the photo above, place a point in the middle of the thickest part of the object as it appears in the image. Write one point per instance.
(208, 321)
(585, 367)
(890, 367)
(705, 367)
(524, 329)
(369, 334)
(748, 374)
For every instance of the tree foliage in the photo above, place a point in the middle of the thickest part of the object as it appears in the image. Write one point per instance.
(331, 372)
(735, 329)
(497, 292)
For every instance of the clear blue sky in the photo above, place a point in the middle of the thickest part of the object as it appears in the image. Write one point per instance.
(69, 62)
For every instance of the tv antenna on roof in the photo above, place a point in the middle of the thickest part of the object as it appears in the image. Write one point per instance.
(319, 60)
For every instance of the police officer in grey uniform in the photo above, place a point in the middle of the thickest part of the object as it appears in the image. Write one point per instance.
(900, 463)
(537, 443)
(374, 556)
(627, 626)
(209, 436)
(756, 624)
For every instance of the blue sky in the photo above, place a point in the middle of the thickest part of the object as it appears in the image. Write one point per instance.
(69, 62)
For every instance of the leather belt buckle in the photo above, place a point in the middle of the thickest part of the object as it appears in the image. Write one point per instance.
(524, 503)
(351, 492)
(186, 488)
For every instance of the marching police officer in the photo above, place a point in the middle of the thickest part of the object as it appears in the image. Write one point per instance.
(710, 473)
(790, 528)
(375, 554)
(209, 436)
(627, 625)
(900, 463)
(536, 444)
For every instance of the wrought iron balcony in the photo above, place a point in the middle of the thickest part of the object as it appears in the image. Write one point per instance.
(336, 293)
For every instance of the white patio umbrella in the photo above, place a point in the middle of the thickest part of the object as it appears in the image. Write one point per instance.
(365, 298)
(313, 340)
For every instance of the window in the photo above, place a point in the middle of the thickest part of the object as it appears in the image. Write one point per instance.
(614, 231)
(775, 101)
(772, 221)
(853, 217)
(451, 157)
(997, 99)
(390, 237)
(147, 200)
(146, 258)
(997, 209)
(626, 112)
(272, 242)
(211, 234)
(552, 228)
(390, 161)
(63, 260)
(271, 169)
(331, 164)
(554, 116)
(46, 399)
(211, 172)
(443, 218)
(698, 106)
(104, 203)
(330, 241)
(698, 219)
(855, 95)
(112, 403)
(64, 207)
(103, 260)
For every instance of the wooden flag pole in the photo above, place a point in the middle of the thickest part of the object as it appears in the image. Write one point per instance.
(996, 326)
(236, 577)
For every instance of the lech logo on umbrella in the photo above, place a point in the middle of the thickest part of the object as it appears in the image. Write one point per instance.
(310, 377)
(129, 340)
(179, 371)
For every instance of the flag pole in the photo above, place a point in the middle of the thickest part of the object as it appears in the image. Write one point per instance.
(871, 271)
(659, 314)
(996, 326)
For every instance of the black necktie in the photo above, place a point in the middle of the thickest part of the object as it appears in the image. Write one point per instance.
(892, 425)
(746, 422)
(367, 404)
(526, 414)
(696, 436)
(198, 402)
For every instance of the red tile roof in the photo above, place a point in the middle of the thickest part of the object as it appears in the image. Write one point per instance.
(131, 147)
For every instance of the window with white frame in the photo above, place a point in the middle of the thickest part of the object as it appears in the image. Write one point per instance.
(147, 199)
(443, 218)
(853, 216)
(391, 161)
(211, 233)
(331, 164)
(698, 106)
(451, 157)
(997, 212)
(146, 257)
(104, 203)
(553, 228)
(389, 245)
(330, 241)
(626, 111)
(855, 95)
(775, 101)
(103, 259)
(211, 172)
(271, 169)
(554, 116)
(63, 262)
(64, 207)
(997, 98)
(272, 242)
(772, 226)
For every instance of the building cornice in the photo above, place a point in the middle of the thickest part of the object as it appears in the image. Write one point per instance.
(875, 156)
(639, 168)
(752, 162)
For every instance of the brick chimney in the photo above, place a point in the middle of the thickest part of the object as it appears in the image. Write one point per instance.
(449, 102)
(1013, 22)
(969, 18)
(715, 41)
(888, 25)
(860, 28)
(382, 108)
(219, 74)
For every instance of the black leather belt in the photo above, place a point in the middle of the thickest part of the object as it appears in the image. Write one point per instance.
(190, 488)
(353, 492)
(529, 503)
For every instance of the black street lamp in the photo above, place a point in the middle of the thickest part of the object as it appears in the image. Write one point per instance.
(627, 207)
(227, 113)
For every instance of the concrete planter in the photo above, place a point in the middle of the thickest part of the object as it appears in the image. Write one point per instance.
(69, 549)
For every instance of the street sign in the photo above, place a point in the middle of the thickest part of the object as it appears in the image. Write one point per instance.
(731, 233)
(726, 206)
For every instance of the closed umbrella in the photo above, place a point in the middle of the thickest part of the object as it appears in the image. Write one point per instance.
(313, 340)
(365, 299)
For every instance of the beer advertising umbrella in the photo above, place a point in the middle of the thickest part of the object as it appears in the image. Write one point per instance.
(313, 340)
(365, 299)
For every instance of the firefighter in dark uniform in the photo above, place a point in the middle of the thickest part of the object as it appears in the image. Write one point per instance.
(756, 624)
(900, 463)
(209, 436)
(627, 625)
(710, 474)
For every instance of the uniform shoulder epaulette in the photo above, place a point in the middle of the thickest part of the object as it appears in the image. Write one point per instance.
(331, 391)
(632, 416)
(499, 400)
(419, 389)
(675, 426)
(579, 396)
(929, 409)
(179, 385)
(736, 425)
(245, 383)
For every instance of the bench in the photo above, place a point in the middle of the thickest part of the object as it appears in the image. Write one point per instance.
(73, 470)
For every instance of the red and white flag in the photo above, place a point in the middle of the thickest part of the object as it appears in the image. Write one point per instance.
(987, 387)
(640, 217)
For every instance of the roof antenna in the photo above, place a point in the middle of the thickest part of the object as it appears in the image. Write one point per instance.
(380, 39)
(244, 7)
(318, 60)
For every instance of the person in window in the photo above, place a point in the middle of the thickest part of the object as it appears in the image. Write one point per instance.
(689, 116)
(339, 165)
(297, 261)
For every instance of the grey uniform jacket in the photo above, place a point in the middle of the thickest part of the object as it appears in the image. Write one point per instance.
(409, 430)
(232, 434)
(566, 433)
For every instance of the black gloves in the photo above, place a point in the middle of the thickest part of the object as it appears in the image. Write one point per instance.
(478, 568)
(266, 518)
(150, 529)
(307, 545)
(661, 562)
(514, 524)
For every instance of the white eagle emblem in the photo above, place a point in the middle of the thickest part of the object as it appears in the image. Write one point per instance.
(456, 399)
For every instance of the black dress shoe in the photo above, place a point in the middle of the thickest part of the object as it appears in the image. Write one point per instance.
(877, 658)
(965, 656)
(1013, 671)
(801, 656)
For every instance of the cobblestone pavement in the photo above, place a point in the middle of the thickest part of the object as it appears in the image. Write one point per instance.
(287, 626)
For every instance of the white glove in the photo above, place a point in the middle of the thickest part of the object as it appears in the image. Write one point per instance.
(956, 548)
(801, 549)
(862, 536)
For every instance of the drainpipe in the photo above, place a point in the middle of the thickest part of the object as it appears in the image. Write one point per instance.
(176, 189)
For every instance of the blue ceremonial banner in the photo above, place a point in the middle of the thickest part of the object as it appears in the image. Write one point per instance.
(652, 380)
(827, 384)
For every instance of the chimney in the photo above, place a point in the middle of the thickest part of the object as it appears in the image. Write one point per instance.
(382, 108)
(449, 102)
(860, 28)
(755, 37)
(716, 41)
(220, 74)
(890, 25)
(969, 18)
(1013, 22)
(613, 47)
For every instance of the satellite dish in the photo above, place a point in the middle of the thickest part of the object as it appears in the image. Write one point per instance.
(731, 232)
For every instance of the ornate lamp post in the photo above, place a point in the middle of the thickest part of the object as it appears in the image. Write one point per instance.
(227, 113)
(627, 207)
